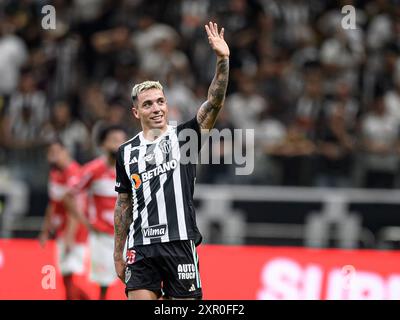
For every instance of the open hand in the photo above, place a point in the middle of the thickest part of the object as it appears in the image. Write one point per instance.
(216, 40)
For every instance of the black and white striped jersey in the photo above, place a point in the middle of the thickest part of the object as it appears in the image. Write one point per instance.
(161, 185)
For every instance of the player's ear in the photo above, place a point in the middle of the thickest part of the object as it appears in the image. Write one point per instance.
(135, 111)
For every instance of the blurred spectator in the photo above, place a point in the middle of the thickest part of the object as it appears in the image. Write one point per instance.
(274, 66)
(221, 150)
(341, 55)
(381, 71)
(379, 31)
(309, 105)
(13, 54)
(56, 60)
(26, 115)
(113, 48)
(246, 105)
(295, 17)
(392, 97)
(270, 136)
(194, 13)
(72, 132)
(22, 132)
(182, 102)
(118, 113)
(380, 141)
(294, 154)
(336, 139)
(94, 104)
(156, 45)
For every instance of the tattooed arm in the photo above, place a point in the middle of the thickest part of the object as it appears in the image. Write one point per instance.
(122, 220)
(209, 110)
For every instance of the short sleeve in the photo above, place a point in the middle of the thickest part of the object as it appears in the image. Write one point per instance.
(191, 125)
(122, 183)
(86, 178)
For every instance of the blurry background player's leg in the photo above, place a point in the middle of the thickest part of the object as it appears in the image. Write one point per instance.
(103, 292)
(102, 265)
(70, 263)
(69, 294)
(72, 291)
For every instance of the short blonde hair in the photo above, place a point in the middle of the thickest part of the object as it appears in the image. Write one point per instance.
(143, 86)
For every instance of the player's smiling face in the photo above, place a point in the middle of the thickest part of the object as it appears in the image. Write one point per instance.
(151, 109)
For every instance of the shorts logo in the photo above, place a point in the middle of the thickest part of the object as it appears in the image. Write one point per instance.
(186, 271)
(136, 179)
(128, 274)
(165, 146)
(192, 288)
(130, 256)
(155, 231)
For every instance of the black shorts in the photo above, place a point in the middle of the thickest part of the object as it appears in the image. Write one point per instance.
(171, 268)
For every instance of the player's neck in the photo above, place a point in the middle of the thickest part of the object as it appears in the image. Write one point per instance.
(65, 163)
(110, 161)
(152, 134)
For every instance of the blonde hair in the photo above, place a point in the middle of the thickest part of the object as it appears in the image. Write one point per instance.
(143, 86)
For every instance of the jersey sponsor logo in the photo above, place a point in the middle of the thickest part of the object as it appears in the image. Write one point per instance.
(155, 231)
(130, 256)
(162, 168)
(136, 180)
(186, 271)
(165, 146)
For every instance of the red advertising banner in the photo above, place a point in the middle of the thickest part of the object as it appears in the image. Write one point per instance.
(299, 273)
(228, 272)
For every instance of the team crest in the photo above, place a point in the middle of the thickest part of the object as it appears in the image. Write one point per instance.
(165, 146)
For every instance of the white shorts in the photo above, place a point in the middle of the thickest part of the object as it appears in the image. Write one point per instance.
(73, 261)
(102, 269)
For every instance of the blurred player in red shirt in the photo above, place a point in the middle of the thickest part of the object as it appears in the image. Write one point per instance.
(70, 234)
(98, 179)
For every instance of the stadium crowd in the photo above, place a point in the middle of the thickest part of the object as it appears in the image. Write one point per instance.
(324, 101)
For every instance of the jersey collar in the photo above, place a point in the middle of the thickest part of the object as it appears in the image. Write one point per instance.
(143, 140)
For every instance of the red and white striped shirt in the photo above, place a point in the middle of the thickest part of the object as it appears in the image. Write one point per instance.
(98, 178)
(60, 182)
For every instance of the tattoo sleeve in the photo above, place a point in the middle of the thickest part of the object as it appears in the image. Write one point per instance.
(208, 111)
(122, 220)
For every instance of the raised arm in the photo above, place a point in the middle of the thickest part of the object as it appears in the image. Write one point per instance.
(208, 112)
(122, 220)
